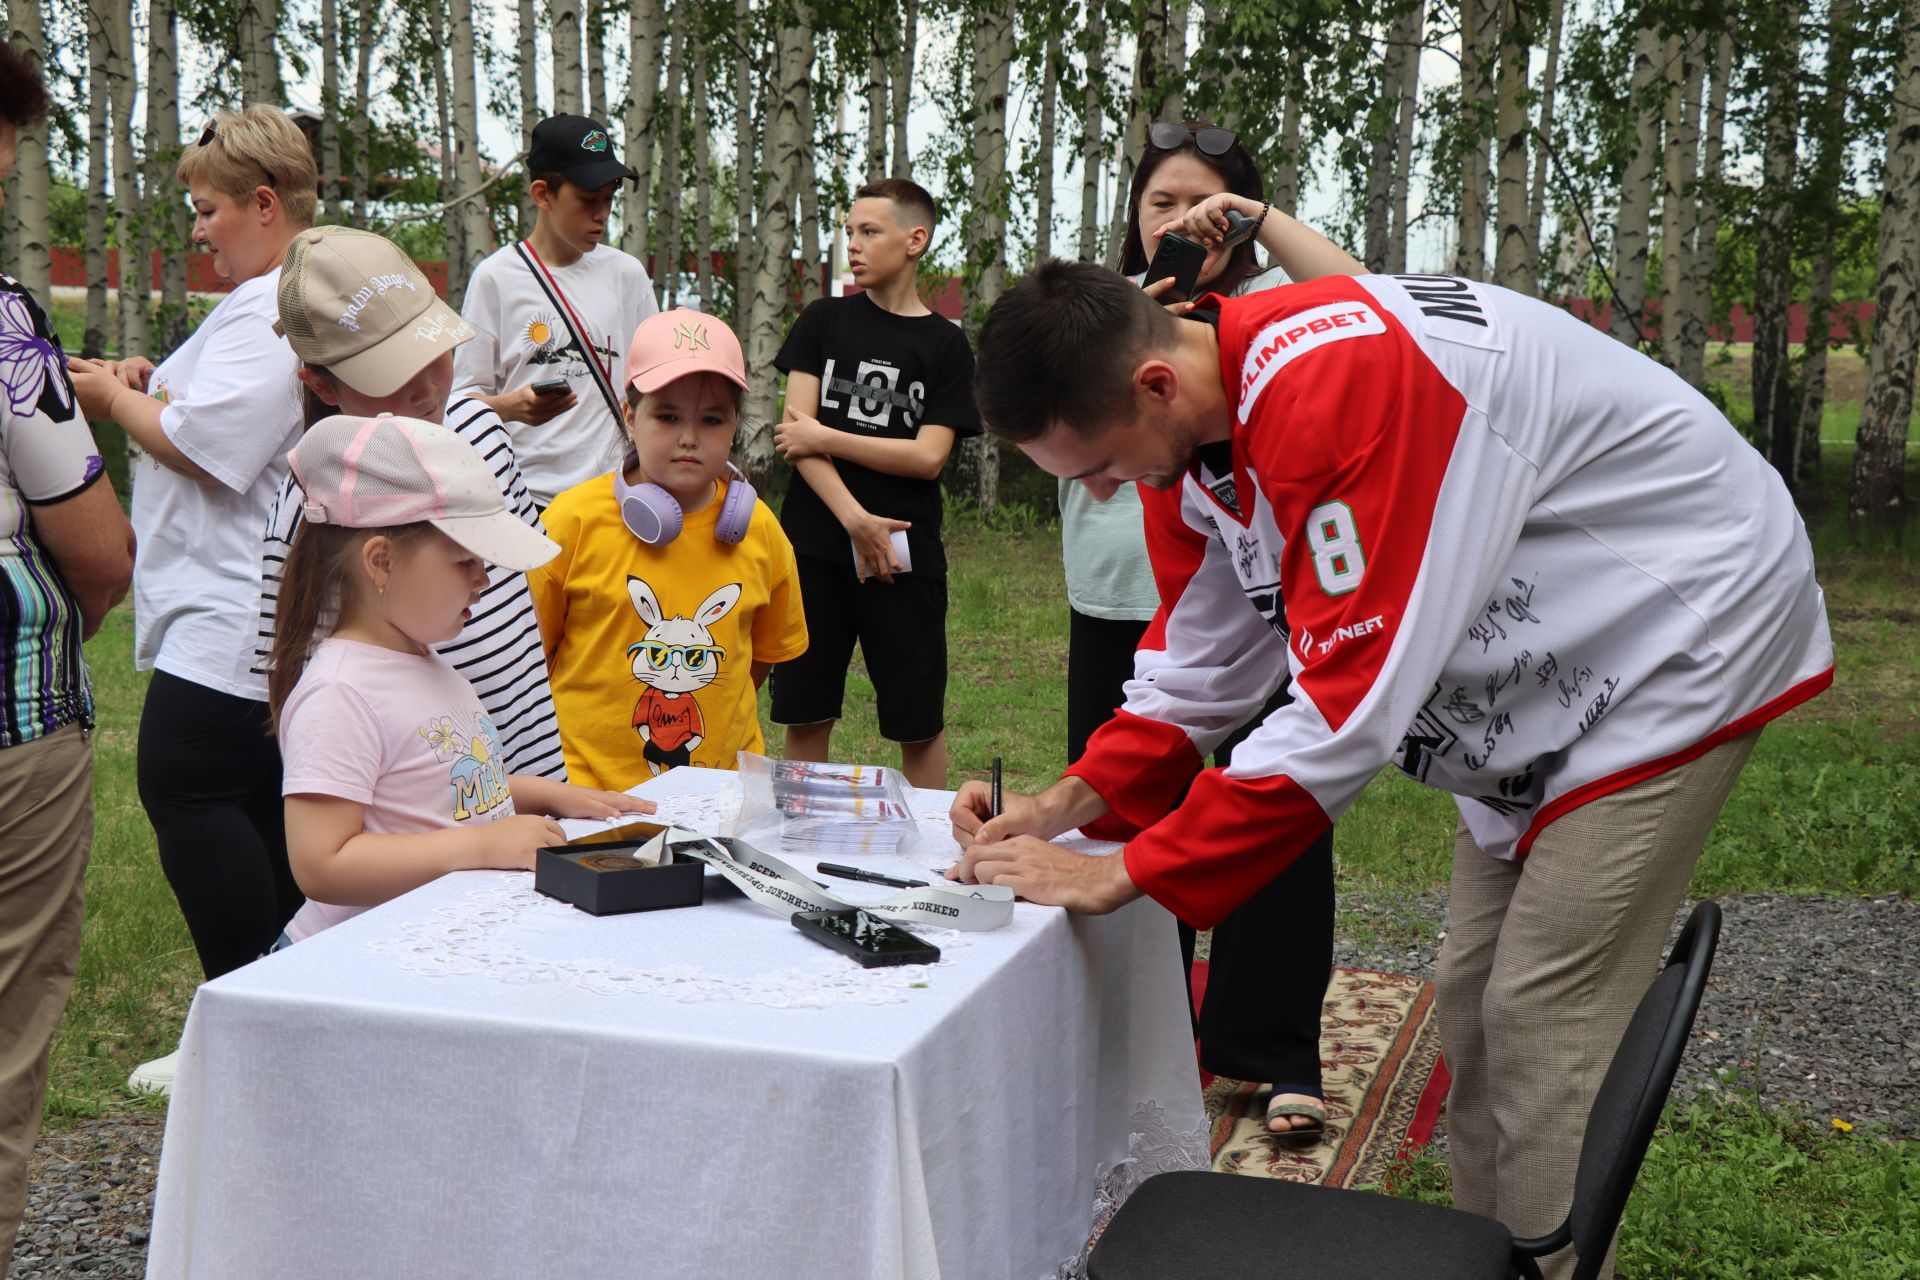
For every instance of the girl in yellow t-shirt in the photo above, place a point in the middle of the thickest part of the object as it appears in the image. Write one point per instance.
(675, 590)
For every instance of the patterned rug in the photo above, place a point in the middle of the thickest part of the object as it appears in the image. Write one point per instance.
(1380, 1049)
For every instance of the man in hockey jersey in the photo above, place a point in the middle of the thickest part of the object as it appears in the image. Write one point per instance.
(1493, 547)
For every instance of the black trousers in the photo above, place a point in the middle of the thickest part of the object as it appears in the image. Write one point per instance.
(209, 778)
(1267, 979)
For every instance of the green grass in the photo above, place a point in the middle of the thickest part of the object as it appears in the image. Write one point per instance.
(1828, 805)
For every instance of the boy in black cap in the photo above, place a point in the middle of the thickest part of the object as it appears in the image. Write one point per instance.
(556, 312)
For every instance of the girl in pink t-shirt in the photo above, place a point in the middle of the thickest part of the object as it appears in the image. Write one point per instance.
(394, 774)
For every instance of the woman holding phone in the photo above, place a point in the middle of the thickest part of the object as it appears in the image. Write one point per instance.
(1267, 976)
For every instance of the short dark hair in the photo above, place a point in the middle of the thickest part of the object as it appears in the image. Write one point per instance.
(23, 94)
(905, 194)
(552, 177)
(1061, 346)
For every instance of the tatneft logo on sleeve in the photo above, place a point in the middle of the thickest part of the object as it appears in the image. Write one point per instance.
(1278, 343)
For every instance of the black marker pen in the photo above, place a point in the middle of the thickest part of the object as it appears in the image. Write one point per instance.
(996, 788)
(871, 877)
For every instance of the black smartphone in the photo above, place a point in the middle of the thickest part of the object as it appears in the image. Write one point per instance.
(1179, 258)
(871, 941)
(550, 387)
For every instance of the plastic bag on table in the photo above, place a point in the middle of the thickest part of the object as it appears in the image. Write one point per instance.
(825, 810)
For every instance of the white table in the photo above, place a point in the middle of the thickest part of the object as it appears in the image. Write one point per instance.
(476, 1081)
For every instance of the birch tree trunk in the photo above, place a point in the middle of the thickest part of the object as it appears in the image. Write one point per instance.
(471, 216)
(808, 186)
(986, 225)
(98, 19)
(771, 295)
(744, 257)
(596, 54)
(1286, 179)
(1543, 135)
(1679, 215)
(702, 180)
(129, 205)
(1630, 235)
(874, 164)
(1409, 93)
(1092, 129)
(1879, 460)
(1479, 27)
(258, 26)
(1706, 247)
(443, 117)
(667, 244)
(1830, 141)
(1049, 140)
(526, 58)
(905, 54)
(1516, 261)
(1774, 423)
(1383, 129)
(1226, 57)
(646, 28)
(166, 216)
(563, 17)
(364, 35)
(331, 109)
(1173, 62)
(28, 200)
(1143, 108)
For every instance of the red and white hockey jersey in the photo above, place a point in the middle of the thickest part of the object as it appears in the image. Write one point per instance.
(1492, 546)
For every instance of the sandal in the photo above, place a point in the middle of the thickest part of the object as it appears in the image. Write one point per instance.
(1306, 1135)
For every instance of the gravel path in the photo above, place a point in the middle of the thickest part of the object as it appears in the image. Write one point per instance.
(1825, 992)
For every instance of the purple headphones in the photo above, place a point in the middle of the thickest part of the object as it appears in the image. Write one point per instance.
(654, 516)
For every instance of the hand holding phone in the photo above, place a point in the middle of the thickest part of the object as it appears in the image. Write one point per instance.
(550, 387)
(1178, 258)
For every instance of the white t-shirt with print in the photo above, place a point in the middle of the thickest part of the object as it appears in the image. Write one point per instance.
(401, 733)
(523, 339)
(232, 405)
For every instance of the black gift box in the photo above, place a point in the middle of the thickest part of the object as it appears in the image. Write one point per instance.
(567, 872)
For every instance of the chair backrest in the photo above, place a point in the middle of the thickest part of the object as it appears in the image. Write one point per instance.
(1633, 1094)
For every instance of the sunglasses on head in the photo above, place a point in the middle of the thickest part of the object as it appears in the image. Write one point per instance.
(208, 134)
(1212, 140)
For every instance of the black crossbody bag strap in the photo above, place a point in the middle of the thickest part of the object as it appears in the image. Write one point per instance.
(551, 287)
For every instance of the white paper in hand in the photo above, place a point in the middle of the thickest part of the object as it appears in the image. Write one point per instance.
(900, 553)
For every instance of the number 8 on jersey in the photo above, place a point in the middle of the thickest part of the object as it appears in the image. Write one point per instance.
(1338, 560)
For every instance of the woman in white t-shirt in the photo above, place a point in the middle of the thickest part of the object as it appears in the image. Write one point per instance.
(213, 423)
(1260, 1019)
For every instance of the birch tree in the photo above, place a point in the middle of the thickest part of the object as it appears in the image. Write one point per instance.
(1050, 55)
(470, 215)
(1286, 178)
(365, 35)
(166, 216)
(874, 163)
(331, 109)
(1543, 134)
(1706, 251)
(772, 278)
(986, 220)
(1679, 217)
(1634, 217)
(129, 205)
(1384, 128)
(745, 42)
(596, 56)
(1879, 460)
(526, 65)
(1825, 182)
(1515, 258)
(28, 203)
(98, 18)
(454, 225)
(702, 179)
(1479, 27)
(563, 18)
(1092, 127)
(667, 242)
(906, 52)
(807, 187)
(1409, 100)
(1774, 423)
(647, 21)
(1144, 103)
(258, 25)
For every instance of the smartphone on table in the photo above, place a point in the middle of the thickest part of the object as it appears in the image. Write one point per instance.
(869, 940)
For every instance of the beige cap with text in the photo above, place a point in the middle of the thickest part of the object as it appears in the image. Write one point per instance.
(355, 304)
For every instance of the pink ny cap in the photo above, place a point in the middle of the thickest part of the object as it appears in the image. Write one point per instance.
(673, 344)
(373, 473)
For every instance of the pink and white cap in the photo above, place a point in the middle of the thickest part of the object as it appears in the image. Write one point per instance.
(673, 344)
(373, 473)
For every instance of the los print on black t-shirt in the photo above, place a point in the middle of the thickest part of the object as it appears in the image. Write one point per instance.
(881, 375)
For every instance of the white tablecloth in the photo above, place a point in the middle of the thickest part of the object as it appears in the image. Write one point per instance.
(475, 1081)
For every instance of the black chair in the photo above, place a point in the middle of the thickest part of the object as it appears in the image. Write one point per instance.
(1218, 1225)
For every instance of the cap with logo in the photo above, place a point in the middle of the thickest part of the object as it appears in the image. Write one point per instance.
(373, 473)
(579, 150)
(354, 303)
(673, 344)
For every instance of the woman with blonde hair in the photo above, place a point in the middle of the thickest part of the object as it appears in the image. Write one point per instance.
(213, 423)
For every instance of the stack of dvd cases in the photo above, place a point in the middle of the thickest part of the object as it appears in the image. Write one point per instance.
(831, 809)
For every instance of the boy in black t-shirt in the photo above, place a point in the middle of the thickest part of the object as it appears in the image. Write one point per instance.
(878, 389)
